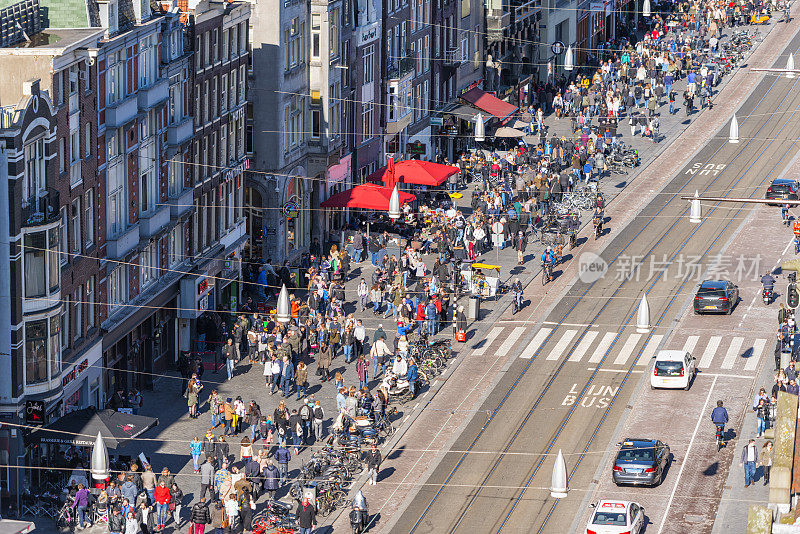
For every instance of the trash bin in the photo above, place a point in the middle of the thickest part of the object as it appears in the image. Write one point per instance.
(474, 308)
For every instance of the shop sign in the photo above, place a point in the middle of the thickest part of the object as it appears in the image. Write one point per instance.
(202, 286)
(391, 146)
(34, 412)
(473, 85)
(291, 209)
(202, 304)
(557, 47)
(368, 34)
(452, 130)
(416, 148)
(238, 114)
(437, 121)
(75, 372)
(233, 172)
(268, 231)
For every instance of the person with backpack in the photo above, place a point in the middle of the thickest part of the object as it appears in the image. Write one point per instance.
(283, 456)
(306, 415)
(319, 417)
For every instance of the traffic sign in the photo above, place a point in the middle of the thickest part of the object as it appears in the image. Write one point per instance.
(557, 47)
(497, 228)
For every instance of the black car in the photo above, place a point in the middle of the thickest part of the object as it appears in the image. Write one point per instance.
(640, 462)
(716, 296)
(782, 189)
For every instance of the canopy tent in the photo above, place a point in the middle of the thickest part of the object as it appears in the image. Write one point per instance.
(366, 196)
(81, 426)
(490, 103)
(505, 131)
(414, 171)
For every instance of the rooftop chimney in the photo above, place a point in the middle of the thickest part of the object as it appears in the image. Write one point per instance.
(109, 16)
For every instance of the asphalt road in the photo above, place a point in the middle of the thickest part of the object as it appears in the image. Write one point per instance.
(572, 382)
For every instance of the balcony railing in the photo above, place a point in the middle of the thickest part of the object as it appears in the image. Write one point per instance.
(41, 210)
(453, 57)
(525, 11)
(400, 67)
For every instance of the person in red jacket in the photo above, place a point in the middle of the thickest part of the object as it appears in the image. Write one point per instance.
(420, 317)
(162, 497)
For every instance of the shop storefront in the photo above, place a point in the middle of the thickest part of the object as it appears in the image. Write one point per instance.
(82, 381)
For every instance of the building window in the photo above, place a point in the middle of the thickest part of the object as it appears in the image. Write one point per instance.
(223, 94)
(148, 264)
(316, 123)
(115, 77)
(148, 60)
(293, 37)
(335, 109)
(88, 217)
(226, 36)
(197, 173)
(78, 314)
(148, 190)
(36, 353)
(223, 145)
(215, 44)
(62, 237)
(425, 98)
(232, 93)
(62, 155)
(175, 99)
(293, 122)
(116, 207)
(206, 103)
(175, 247)
(243, 38)
(87, 140)
(369, 64)
(241, 84)
(207, 48)
(175, 174)
(345, 61)
(117, 288)
(64, 326)
(366, 122)
(75, 221)
(90, 308)
(34, 170)
(316, 29)
(75, 157)
(36, 258)
(197, 100)
(333, 34)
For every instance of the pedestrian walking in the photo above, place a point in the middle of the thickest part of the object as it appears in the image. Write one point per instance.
(200, 517)
(373, 464)
(196, 448)
(748, 461)
(765, 460)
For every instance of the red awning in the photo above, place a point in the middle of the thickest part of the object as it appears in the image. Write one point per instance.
(366, 196)
(414, 171)
(489, 103)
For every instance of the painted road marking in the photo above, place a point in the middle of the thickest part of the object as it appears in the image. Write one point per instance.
(627, 349)
(690, 344)
(561, 346)
(510, 340)
(535, 343)
(650, 349)
(490, 337)
(583, 346)
(708, 355)
(601, 349)
(733, 353)
(758, 348)
(613, 370)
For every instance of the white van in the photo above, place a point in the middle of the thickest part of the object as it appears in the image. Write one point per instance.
(673, 369)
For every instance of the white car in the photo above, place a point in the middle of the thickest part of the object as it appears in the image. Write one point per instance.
(673, 369)
(616, 517)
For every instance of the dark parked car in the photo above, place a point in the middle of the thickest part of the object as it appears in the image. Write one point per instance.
(716, 296)
(641, 462)
(782, 189)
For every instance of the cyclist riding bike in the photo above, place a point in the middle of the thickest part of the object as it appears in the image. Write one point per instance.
(516, 292)
(548, 258)
(598, 222)
(719, 416)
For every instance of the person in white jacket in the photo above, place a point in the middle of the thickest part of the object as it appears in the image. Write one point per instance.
(363, 293)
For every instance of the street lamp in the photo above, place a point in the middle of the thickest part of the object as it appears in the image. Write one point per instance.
(569, 62)
(99, 464)
(282, 314)
(480, 132)
(394, 204)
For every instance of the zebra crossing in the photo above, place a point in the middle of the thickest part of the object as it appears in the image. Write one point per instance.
(616, 349)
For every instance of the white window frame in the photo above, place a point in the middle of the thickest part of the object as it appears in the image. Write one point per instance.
(76, 216)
